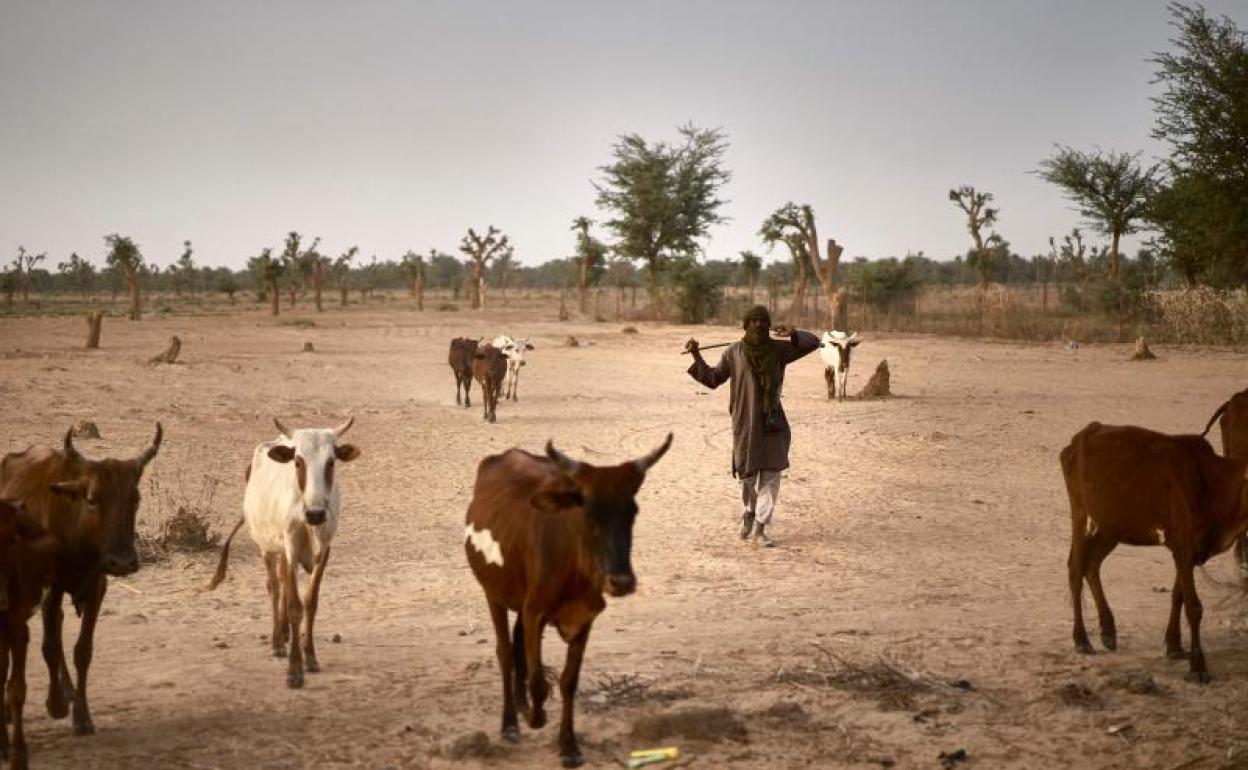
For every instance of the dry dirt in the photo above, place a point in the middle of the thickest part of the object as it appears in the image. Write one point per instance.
(915, 606)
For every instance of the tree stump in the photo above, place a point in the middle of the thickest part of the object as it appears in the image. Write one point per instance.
(1141, 352)
(171, 353)
(571, 342)
(877, 386)
(94, 320)
(307, 347)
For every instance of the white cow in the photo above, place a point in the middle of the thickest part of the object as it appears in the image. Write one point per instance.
(514, 349)
(291, 507)
(834, 349)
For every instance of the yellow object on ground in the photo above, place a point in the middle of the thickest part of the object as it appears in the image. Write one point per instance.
(651, 756)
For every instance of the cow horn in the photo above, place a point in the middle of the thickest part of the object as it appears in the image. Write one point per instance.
(281, 428)
(644, 463)
(854, 336)
(565, 464)
(343, 428)
(150, 452)
(70, 452)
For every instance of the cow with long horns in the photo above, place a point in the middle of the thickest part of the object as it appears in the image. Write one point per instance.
(89, 507)
(546, 537)
(291, 507)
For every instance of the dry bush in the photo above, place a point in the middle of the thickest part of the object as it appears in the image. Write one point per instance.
(889, 682)
(184, 520)
(1201, 315)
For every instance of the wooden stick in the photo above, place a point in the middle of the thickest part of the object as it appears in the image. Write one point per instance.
(707, 347)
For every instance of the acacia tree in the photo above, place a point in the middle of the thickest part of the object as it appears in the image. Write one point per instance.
(268, 271)
(480, 250)
(185, 270)
(297, 265)
(23, 264)
(79, 272)
(663, 197)
(796, 224)
(1111, 190)
(979, 215)
(124, 255)
(414, 269)
(751, 266)
(316, 265)
(342, 272)
(591, 255)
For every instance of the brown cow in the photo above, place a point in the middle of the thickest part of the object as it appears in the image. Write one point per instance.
(26, 554)
(1234, 427)
(89, 506)
(1135, 486)
(460, 359)
(546, 537)
(489, 367)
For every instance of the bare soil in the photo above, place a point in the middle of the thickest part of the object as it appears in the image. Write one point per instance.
(916, 603)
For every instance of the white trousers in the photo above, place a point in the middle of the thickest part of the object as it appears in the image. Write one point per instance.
(759, 492)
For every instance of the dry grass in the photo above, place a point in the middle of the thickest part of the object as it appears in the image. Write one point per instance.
(183, 520)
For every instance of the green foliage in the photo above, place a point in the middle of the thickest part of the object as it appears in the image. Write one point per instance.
(590, 252)
(78, 272)
(123, 253)
(888, 285)
(751, 266)
(698, 291)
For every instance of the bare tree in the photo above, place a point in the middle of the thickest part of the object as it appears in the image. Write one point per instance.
(23, 264)
(795, 222)
(979, 215)
(480, 250)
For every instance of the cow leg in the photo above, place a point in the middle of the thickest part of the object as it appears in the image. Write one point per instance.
(503, 649)
(273, 584)
(1099, 546)
(468, 391)
(60, 687)
(1174, 637)
(1197, 670)
(4, 707)
(520, 664)
(569, 751)
(829, 377)
(538, 689)
(310, 603)
(83, 651)
(1241, 557)
(294, 617)
(1075, 572)
(18, 637)
(515, 386)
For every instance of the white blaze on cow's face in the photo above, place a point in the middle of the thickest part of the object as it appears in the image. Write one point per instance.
(314, 454)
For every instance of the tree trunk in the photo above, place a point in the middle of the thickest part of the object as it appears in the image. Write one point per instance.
(136, 309)
(94, 320)
(317, 277)
(1113, 254)
(274, 299)
(799, 289)
(420, 292)
(342, 290)
(474, 285)
(753, 283)
(584, 286)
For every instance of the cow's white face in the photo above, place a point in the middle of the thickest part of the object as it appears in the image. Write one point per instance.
(314, 454)
(835, 348)
(514, 349)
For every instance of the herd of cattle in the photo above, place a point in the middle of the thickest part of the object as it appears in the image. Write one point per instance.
(546, 536)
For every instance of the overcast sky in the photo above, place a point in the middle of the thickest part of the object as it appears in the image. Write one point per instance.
(398, 125)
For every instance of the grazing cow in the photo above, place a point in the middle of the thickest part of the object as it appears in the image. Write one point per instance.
(835, 348)
(546, 536)
(514, 350)
(1134, 486)
(1234, 427)
(489, 367)
(460, 359)
(89, 507)
(26, 562)
(291, 510)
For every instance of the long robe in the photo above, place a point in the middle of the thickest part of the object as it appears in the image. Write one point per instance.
(753, 447)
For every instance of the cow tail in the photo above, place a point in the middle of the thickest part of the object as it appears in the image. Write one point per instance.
(1215, 417)
(225, 556)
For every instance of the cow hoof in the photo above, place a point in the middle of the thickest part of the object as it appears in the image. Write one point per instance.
(1176, 653)
(511, 734)
(58, 709)
(279, 652)
(294, 680)
(537, 718)
(1084, 648)
(572, 760)
(1198, 677)
(84, 728)
(312, 667)
(1110, 641)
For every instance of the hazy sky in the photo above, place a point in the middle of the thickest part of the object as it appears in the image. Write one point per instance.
(398, 125)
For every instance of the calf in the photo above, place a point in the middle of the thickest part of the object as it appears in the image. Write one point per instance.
(89, 507)
(291, 507)
(489, 367)
(26, 554)
(460, 359)
(546, 536)
(835, 348)
(1134, 486)
(1234, 427)
(514, 350)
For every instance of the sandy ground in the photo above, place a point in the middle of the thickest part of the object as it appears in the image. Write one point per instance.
(916, 603)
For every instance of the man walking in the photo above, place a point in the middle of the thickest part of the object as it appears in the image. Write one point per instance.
(760, 432)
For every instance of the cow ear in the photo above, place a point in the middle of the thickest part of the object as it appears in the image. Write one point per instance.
(281, 454)
(346, 452)
(552, 500)
(71, 489)
(854, 343)
(528, 346)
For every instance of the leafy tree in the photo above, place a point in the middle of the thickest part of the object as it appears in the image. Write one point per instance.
(269, 272)
(698, 292)
(888, 285)
(124, 256)
(227, 285)
(414, 268)
(185, 273)
(23, 264)
(79, 273)
(793, 222)
(663, 198)
(591, 254)
(298, 266)
(480, 250)
(1111, 190)
(751, 265)
(979, 215)
(342, 272)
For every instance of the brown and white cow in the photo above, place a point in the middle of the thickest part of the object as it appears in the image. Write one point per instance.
(489, 367)
(291, 507)
(26, 562)
(89, 506)
(1135, 486)
(460, 358)
(546, 537)
(1232, 419)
